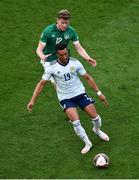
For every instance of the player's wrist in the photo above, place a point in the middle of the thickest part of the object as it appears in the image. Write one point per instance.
(99, 93)
(90, 59)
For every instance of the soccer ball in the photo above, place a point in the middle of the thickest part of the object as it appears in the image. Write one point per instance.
(101, 160)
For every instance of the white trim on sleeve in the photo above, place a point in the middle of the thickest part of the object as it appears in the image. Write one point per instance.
(42, 43)
(75, 42)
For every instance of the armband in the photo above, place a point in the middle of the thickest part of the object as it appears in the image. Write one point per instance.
(99, 93)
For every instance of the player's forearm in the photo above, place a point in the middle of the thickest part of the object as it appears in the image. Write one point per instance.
(83, 53)
(39, 53)
(39, 50)
(93, 84)
(39, 87)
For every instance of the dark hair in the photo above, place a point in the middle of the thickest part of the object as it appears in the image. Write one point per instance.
(64, 14)
(60, 46)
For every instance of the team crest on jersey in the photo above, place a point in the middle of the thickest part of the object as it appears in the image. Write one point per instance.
(53, 35)
(72, 69)
(66, 36)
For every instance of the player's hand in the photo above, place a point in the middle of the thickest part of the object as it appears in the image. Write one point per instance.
(103, 99)
(30, 106)
(44, 57)
(92, 62)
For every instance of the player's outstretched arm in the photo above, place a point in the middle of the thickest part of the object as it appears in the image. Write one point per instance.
(84, 54)
(94, 86)
(39, 87)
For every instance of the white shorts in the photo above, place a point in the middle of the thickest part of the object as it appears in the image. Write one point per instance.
(45, 66)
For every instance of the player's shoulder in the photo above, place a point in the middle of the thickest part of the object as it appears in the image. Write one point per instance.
(52, 66)
(49, 28)
(53, 63)
(71, 28)
(75, 61)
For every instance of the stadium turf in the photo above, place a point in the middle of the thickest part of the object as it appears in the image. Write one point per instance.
(42, 144)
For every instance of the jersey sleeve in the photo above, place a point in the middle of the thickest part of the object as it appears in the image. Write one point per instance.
(47, 75)
(44, 36)
(80, 68)
(74, 37)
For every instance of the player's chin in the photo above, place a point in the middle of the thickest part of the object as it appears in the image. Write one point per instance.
(64, 62)
(63, 29)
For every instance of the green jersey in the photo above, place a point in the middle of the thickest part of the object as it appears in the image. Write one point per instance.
(52, 36)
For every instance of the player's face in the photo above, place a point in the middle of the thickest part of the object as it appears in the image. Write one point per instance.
(63, 56)
(62, 24)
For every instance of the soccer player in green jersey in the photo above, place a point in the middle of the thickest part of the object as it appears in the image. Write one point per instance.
(56, 33)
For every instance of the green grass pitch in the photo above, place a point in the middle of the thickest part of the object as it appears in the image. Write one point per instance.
(42, 144)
